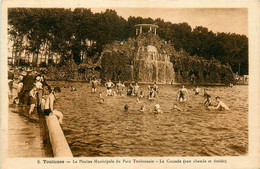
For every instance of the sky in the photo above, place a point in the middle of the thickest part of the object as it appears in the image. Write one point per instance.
(233, 20)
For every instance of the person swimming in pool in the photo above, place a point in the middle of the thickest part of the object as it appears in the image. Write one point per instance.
(221, 105)
(175, 107)
(208, 103)
(197, 90)
(182, 94)
(142, 108)
(157, 109)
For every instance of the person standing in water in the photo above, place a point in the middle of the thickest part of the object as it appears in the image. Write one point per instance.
(94, 84)
(120, 88)
(109, 85)
(136, 89)
(155, 88)
(208, 103)
(197, 90)
(182, 94)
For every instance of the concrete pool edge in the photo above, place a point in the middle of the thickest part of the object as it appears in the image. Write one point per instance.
(59, 144)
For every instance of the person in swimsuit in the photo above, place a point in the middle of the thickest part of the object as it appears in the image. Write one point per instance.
(120, 88)
(197, 90)
(109, 85)
(72, 88)
(157, 109)
(205, 93)
(175, 107)
(141, 94)
(101, 98)
(94, 84)
(155, 88)
(142, 108)
(136, 89)
(208, 103)
(221, 105)
(49, 105)
(130, 90)
(182, 94)
(151, 92)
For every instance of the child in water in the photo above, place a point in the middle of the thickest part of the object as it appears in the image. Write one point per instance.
(101, 98)
(207, 103)
(126, 107)
(157, 109)
(175, 107)
(72, 88)
(197, 90)
(142, 108)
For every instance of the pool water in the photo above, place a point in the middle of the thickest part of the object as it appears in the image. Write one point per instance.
(94, 129)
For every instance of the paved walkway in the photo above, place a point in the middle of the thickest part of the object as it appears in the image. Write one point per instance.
(25, 137)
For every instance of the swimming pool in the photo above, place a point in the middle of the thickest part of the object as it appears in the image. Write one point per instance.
(94, 129)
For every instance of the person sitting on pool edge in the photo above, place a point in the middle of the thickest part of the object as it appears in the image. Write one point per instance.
(221, 105)
(49, 104)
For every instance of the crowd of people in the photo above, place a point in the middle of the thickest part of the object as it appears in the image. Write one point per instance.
(32, 90)
(118, 89)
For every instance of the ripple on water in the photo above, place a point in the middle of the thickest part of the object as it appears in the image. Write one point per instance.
(94, 129)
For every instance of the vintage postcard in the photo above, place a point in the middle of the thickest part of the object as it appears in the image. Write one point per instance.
(130, 84)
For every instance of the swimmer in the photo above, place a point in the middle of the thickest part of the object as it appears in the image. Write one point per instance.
(207, 103)
(197, 90)
(135, 89)
(182, 94)
(175, 107)
(152, 92)
(157, 109)
(221, 105)
(142, 108)
(155, 88)
(205, 93)
(109, 86)
(101, 98)
(120, 88)
(114, 93)
(94, 84)
(49, 104)
(130, 90)
(137, 100)
(141, 94)
(100, 95)
(72, 88)
(101, 101)
(126, 107)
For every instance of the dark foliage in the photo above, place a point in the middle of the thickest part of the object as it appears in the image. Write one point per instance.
(72, 34)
